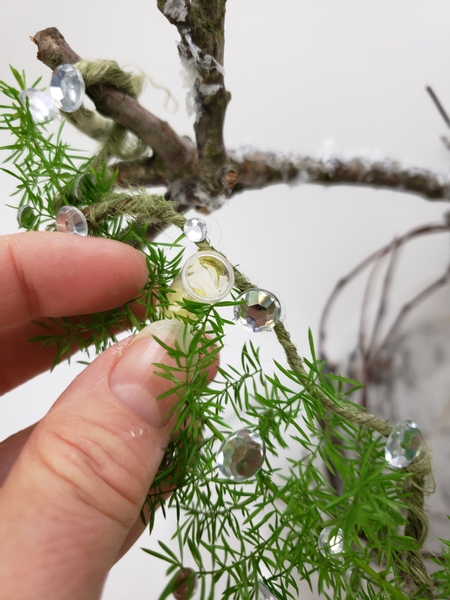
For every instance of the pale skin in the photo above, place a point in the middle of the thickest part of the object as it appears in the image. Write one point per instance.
(72, 485)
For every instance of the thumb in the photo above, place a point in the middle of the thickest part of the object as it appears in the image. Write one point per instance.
(80, 481)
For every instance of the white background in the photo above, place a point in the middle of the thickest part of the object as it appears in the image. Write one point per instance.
(305, 77)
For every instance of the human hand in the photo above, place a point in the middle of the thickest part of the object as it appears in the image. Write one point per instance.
(72, 485)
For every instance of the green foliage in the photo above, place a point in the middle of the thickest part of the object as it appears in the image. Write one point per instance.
(235, 533)
(44, 167)
(99, 330)
(441, 577)
(272, 523)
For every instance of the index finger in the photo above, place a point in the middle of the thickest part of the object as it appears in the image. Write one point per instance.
(50, 274)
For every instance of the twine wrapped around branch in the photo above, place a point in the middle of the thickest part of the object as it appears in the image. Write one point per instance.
(115, 140)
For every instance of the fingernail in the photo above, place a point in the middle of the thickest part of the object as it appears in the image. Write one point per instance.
(134, 380)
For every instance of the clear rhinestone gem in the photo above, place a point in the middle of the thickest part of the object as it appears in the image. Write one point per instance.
(71, 220)
(41, 105)
(83, 183)
(260, 310)
(195, 230)
(207, 277)
(26, 217)
(352, 580)
(403, 444)
(331, 541)
(67, 88)
(264, 593)
(186, 582)
(241, 455)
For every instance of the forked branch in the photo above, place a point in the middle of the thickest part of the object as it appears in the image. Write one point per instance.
(206, 173)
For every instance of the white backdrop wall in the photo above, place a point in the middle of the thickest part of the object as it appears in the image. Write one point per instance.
(304, 77)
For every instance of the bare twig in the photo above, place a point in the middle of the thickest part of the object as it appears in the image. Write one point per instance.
(438, 105)
(201, 27)
(344, 281)
(260, 169)
(362, 347)
(366, 352)
(383, 304)
(409, 306)
(145, 171)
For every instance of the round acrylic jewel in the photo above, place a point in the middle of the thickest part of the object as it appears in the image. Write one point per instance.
(67, 88)
(241, 455)
(26, 217)
(352, 580)
(40, 105)
(186, 582)
(207, 277)
(264, 593)
(403, 444)
(71, 220)
(83, 184)
(195, 230)
(260, 310)
(331, 541)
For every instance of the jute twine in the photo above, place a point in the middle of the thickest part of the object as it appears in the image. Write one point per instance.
(115, 140)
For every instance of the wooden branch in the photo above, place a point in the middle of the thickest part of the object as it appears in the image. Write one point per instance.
(177, 153)
(200, 24)
(143, 172)
(206, 179)
(260, 169)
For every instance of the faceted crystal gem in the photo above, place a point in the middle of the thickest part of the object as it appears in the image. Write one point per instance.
(67, 88)
(195, 230)
(264, 593)
(241, 455)
(331, 541)
(26, 216)
(260, 310)
(186, 582)
(71, 220)
(41, 105)
(83, 184)
(403, 444)
(352, 580)
(207, 277)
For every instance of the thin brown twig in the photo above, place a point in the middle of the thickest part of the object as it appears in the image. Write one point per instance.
(438, 105)
(368, 290)
(202, 31)
(383, 304)
(344, 281)
(366, 353)
(409, 306)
